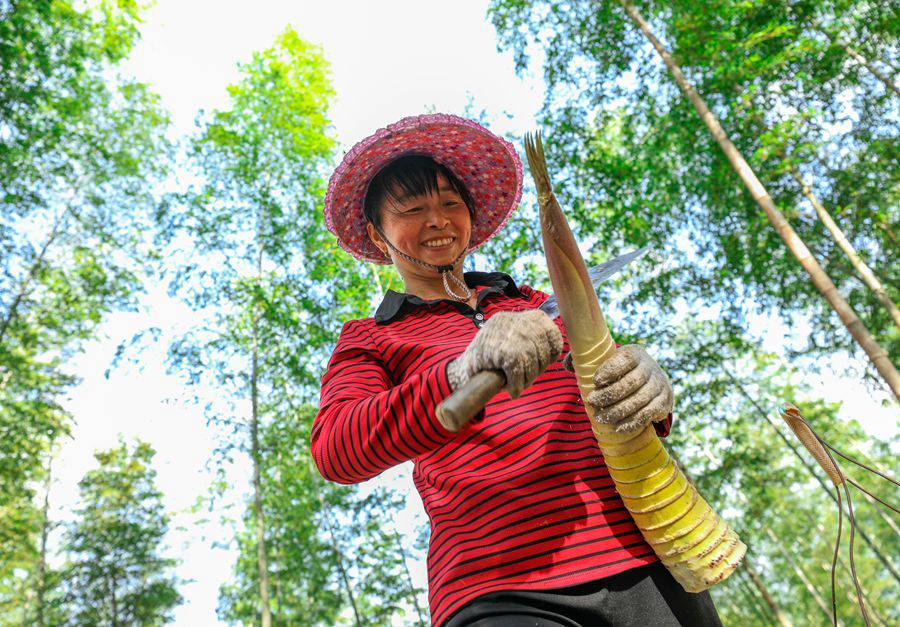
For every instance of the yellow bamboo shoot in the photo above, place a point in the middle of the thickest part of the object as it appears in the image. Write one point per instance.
(695, 544)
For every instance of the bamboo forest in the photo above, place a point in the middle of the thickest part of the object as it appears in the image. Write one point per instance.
(173, 290)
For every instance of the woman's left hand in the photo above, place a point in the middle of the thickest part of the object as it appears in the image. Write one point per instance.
(631, 390)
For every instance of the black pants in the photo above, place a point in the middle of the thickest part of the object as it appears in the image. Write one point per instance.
(647, 596)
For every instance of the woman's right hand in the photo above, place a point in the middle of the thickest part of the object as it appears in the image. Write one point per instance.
(520, 344)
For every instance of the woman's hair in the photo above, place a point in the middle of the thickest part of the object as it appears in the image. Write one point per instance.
(412, 175)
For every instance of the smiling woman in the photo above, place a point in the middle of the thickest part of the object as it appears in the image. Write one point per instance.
(420, 216)
(520, 500)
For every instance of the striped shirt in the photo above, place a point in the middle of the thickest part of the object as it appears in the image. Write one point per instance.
(521, 498)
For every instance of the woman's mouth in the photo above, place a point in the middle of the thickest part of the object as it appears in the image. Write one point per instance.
(438, 242)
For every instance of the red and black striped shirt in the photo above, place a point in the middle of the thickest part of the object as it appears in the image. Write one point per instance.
(520, 499)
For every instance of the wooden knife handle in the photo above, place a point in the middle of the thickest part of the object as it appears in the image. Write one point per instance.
(459, 408)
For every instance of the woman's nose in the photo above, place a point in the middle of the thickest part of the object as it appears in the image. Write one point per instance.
(437, 217)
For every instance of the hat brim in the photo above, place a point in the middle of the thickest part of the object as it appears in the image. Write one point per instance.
(485, 163)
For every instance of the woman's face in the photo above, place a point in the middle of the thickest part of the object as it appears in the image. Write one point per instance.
(433, 228)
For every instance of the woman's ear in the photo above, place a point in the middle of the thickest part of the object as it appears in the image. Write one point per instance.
(376, 238)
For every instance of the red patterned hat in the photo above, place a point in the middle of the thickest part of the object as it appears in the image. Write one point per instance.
(486, 164)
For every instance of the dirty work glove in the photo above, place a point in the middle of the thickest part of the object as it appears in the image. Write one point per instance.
(521, 344)
(631, 390)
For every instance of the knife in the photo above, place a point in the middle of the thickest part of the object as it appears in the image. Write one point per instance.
(455, 411)
(598, 274)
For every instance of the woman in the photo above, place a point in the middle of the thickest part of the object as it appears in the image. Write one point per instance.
(526, 526)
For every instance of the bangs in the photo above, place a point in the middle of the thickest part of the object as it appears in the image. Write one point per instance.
(407, 177)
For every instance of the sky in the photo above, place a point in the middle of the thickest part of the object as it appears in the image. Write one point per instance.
(389, 59)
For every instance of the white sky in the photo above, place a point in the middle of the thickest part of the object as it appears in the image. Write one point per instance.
(389, 59)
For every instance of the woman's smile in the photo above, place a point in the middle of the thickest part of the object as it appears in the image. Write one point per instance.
(439, 242)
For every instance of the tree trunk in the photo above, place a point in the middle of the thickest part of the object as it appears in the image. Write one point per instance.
(877, 355)
(114, 604)
(764, 593)
(751, 599)
(345, 578)
(859, 265)
(799, 571)
(262, 565)
(42, 557)
(412, 588)
(856, 56)
(12, 311)
(262, 562)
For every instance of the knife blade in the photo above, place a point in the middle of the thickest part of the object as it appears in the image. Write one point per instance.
(598, 274)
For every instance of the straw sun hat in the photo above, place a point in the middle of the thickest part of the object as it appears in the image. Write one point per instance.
(486, 164)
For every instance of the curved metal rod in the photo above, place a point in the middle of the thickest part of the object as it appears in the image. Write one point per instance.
(862, 489)
(822, 453)
(860, 464)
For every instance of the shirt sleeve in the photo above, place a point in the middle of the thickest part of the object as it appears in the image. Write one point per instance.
(663, 427)
(365, 423)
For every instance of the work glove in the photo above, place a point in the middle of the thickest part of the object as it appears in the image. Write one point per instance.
(521, 344)
(631, 390)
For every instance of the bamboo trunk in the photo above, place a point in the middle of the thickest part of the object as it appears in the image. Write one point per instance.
(259, 519)
(802, 575)
(751, 599)
(412, 589)
(256, 455)
(766, 595)
(861, 267)
(25, 283)
(861, 60)
(697, 546)
(877, 355)
(345, 577)
(42, 557)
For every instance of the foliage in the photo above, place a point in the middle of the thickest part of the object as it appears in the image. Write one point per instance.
(314, 529)
(260, 271)
(81, 149)
(637, 166)
(118, 574)
(733, 444)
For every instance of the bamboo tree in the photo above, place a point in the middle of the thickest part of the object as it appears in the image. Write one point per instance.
(764, 593)
(876, 354)
(792, 447)
(860, 59)
(752, 598)
(41, 577)
(414, 597)
(259, 166)
(82, 150)
(117, 572)
(255, 455)
(255, 452)
(858, 264)
(800, 574)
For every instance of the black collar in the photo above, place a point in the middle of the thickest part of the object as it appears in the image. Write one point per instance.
(395, 304)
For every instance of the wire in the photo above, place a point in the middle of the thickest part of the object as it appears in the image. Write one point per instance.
(862, 489)
(858, 463)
